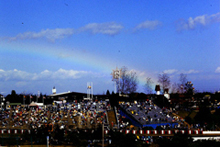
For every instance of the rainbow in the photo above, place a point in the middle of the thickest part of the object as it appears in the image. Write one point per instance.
(76, 57)
(57, 53)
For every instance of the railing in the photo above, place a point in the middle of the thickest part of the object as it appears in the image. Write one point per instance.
(127, 131)
(116, 117)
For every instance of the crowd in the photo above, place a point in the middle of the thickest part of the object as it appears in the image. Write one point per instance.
(87, 115)
(83, 115)
(146, 113)
(4, 118)
(19, 117)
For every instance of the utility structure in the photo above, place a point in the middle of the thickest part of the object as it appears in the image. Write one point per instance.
(157, 89)
(89, 90)
(116, 75)
(54, 91)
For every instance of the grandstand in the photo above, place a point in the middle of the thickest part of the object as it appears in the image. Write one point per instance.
(143, 114)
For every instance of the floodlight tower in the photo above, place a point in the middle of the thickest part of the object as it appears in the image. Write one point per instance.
(90, 90)
(116, 75)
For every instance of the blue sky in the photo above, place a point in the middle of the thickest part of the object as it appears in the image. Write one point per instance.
(69, 43)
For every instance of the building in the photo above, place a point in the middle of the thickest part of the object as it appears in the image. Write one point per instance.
(67, 96)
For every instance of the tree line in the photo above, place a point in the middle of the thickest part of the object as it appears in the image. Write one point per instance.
(127, 82)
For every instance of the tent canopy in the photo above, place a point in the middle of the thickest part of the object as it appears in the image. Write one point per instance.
(33, 104)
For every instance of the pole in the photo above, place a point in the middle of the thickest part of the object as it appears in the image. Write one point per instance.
(31, 141)
(92, 89)
(115, 86)
(119, 82)
(47, 141)
(38, 95)
(1, 101)
(87, 90)
(102, 134)
(23, 99)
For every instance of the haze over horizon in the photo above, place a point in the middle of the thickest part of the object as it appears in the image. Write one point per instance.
(69, 43)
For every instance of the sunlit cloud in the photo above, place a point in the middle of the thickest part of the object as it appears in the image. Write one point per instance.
(217, 70)
(66, 74)
(62, 74)
(110, 28)
(202, 20)
(50, 34)
(139, 73)
(15, 75)
(175, 71)
(191, 71)
(143, 75)
(150, 25)
(170, 71)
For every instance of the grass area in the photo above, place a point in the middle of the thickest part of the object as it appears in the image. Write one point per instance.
(212, 111)
(183, 114)
(192, 114)
(111, 116)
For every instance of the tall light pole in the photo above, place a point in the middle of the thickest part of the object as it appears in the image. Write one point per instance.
(1, 100)
(116, 75)
(90, 90)
(24, 97)
(38, 95)
(43, 99)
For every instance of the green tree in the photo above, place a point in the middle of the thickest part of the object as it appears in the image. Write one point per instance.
(107, 93)
(148, 85)
(182, 84)
(126, 81)
(174, 88)
(13, 93)
(189, 87)
(164, 80)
